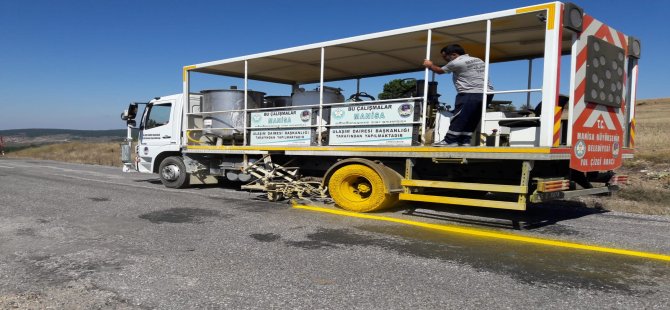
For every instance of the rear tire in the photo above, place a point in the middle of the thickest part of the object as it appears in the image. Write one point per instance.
(359, 188)
(172, 172)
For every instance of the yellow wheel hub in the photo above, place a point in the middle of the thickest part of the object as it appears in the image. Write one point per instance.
(359, 188)
(364, 188)
(355, 188)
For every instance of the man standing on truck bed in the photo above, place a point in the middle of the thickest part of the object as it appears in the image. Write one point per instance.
(469, 82)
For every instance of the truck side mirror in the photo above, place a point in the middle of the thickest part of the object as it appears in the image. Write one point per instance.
(124, 115)
(132, 110)
(130, 114)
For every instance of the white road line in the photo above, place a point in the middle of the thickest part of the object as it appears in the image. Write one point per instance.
(87, 172)
(110, 182)
(93, 173)
(17, 165)
(1, 166)
(158, 188)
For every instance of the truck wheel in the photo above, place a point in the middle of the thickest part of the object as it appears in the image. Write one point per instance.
(173, 173)
(359, 188)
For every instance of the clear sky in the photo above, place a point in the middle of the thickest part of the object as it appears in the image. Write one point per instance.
(77, 64)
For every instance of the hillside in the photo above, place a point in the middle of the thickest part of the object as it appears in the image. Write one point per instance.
(93, 153)
(17, 139)
(37, 132)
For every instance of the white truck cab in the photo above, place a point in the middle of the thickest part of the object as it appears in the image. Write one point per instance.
(159, 131)
(159, 138)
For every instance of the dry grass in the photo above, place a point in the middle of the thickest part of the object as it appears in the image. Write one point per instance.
(107, 154)
(652, 142)
(648, 191)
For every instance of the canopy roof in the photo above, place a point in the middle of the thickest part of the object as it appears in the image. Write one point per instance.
(513, 36)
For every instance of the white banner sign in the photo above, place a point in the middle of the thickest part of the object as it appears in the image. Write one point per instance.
(371, 135)
(381, 113)
(302, 137)
(274, 119)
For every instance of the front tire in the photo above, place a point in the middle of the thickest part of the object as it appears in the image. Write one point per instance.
(359, 188)
(172, 172)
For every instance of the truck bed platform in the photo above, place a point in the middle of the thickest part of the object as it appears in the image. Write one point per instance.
(473, 152)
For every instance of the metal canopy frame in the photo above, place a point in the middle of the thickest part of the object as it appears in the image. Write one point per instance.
(518, 35)
(522, 33)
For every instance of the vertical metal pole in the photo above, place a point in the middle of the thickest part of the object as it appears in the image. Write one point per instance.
(526, 167)
(551, 71)
(530, 78)
(409, 164)
(358, 86)
(571, 101)
(425, 90)
(486, 75)
(129, 136)
(246, 85)
(320, 119)
(631, 94)
(186, 94)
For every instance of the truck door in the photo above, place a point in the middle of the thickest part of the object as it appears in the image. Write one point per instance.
(157, 133)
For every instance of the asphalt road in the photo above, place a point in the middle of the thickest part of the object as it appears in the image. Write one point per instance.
(79, 236)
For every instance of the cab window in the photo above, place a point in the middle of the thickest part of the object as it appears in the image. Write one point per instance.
(159, 115)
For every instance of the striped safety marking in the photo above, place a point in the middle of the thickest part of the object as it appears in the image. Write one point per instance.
(633, 99)
(489, 233)
(632, 133)
(558, 110)
(584, 110)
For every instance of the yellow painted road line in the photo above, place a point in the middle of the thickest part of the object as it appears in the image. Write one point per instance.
(489, 234)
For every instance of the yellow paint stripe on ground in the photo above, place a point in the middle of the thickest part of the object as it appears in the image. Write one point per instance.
(488, 234)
